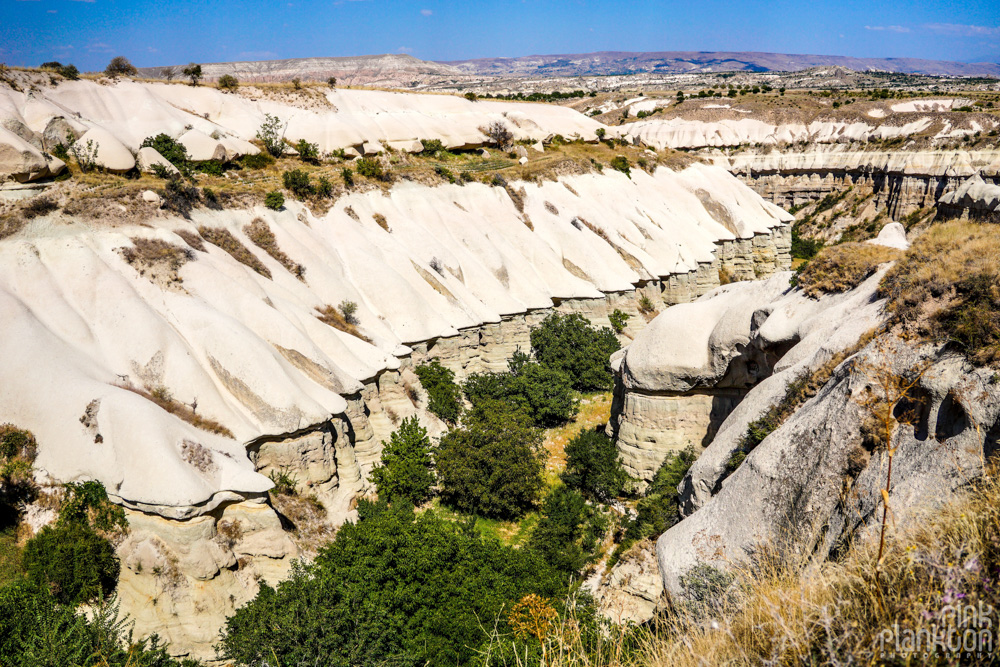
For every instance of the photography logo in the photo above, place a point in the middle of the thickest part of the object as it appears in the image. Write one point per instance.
(966, 632)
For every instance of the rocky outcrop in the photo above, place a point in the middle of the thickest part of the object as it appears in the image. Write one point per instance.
(975, 198)
(815, 482)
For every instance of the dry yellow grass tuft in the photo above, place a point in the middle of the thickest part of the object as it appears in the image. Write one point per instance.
(260, 233)
(161, 396)
(843, 267)
(336, 319)
(947, 287)
(225, 240)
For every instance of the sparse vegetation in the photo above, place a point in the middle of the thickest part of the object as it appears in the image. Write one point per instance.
(223, 238)
(163, 398)
(338, 320)
(260, 234)
(499, 134)
(274, 200)
(619, 320)
(272, 135)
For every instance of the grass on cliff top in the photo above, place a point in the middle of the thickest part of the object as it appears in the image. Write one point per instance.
(947, 288)
(843, 267)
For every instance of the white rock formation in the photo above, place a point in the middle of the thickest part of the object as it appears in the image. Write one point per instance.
(105, 150)
(149, 156)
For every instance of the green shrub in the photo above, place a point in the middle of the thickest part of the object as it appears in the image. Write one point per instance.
(444, 173)
(120, 66)
(272, 135)
(619, 320)
(285, 483)
(443, 393)
(492, 465)
(298, 182)
(274, 200)
(370, 168)
(620, 163)
(228, 82)
(571, 345)
(307, 152)
(258, 161)
(172, 151)
(36, 630)
(592, 466)
(803, 248)
(324, 188)
(69, 72)
(659, 509)
(349, 309)
(395, 588)
(88, 503)
(73, 561)
(568, 531)
(405, 471)
(348, 176)
(543, 393)
(432, 147)
(210, 167)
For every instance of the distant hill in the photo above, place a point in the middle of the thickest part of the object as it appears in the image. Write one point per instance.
(389, 70)
(403, 71)
(668, 62)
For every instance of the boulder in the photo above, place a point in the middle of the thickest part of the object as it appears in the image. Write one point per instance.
(236, 147)
(202, 147)
(484, 153)
(151, 197)
(59, 131)
(23, 131)
(893, 235)
(371, 148)
(523, 160)
(350, 152)
(521, 151)
(538, 147)
(19, 159)
(412, 146)
(109, 153)
(149, 156)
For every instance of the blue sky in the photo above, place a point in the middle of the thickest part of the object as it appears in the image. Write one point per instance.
(160, 32)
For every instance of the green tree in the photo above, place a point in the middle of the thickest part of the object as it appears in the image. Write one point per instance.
(568, 531)
(228, 82)
(592, 466)
(570, 344)
(405, 472)
(272, 135)
(298, 182)
(193, 72)
(274, 200)
(73, 561)
(395, 588)
(544, 393)
(120, 66)
(443, 393)
(492, 465)
(308, 152)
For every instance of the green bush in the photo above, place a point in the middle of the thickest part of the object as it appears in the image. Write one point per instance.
(274, 200)
(570, 344)
(658, 510)
(405, 471)
(370, 168)
(272, 135)
(432, 147)
(210, 167)
(592, 466)
(568, 531)
(73, 561)
(36, 630)
(258, 161)
(172, 151)
(307, 152)
(228, 82)
(492, 465)
(620, 163)
(348, 176)
(324, 188)
(87, 502)
(443, 393)
(393, 589)
(298, 182)
(120, 66)
(619, 320)
(543, 393)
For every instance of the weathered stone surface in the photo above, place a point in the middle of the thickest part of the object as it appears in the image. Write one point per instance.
(109, 153)
(149, 156)
(202, 147)
(634, 589)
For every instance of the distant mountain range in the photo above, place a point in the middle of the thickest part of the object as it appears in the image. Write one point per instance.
(669, 62)
(397, 70)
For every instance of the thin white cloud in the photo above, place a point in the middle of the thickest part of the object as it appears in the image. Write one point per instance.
(99, 47)
(426, 12)
(960, 30)
(52, 11)
(888, 28)
(404, 49)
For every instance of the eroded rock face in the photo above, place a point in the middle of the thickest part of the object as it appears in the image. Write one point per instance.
(633, 591)
(814, 483)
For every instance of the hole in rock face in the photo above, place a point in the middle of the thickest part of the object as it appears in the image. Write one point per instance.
(915, 410)
(951, 418)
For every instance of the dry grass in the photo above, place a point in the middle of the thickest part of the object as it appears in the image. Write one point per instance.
(594, 411)
(161, 396)
(156, 252)
(332, 316)
(11, 224)
(192, 239)
(843, 267)
(947, 288)
(261, 235)
(310, 528)
(224, 239)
